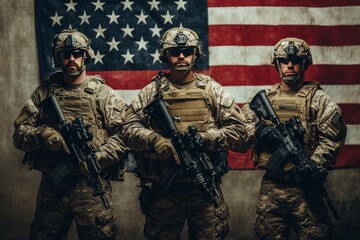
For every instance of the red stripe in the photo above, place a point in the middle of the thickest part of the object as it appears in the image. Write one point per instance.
(128, 80)
(305, 3)
(267, 75)
(238, 75)
(240, 160)
(350, 113)
(247, 35)
(349, 156)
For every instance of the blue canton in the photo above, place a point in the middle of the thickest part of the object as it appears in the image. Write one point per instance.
(125, 34)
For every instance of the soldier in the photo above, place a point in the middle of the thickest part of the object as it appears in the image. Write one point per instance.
(192, 99)
(38, 135)
(282, 202)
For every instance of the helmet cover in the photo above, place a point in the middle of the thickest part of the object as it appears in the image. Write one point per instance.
(71, 39)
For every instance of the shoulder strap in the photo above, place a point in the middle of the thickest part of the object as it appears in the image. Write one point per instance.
(272, 91)
(94, 84)
(308, 88)
(157, 80)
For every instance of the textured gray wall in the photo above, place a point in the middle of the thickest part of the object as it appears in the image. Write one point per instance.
(18, 186)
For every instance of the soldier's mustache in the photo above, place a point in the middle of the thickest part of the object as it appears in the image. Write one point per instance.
(72, 64)
(183, 62)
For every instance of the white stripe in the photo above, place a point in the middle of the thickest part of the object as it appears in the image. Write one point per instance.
(261, 55)
(325, 16)
(352, 136)
(338, 93)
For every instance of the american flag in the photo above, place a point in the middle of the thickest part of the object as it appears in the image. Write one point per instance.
(237, 37)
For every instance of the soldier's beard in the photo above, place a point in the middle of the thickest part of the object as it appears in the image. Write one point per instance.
(183, 69)
(68, 69)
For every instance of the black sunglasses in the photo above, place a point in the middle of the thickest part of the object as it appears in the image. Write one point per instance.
(76, 53)
(186, 51)
(293, 60)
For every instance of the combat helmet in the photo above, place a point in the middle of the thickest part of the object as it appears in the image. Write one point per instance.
(292, 48)
(71, 39)
(179, 37)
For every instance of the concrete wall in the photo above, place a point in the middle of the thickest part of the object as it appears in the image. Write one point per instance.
(18, 186)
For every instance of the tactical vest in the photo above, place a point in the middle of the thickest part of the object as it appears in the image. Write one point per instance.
(286, 106)
(188, 107)
(80, 101)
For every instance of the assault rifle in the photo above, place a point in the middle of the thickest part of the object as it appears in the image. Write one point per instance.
(76, 136)
(289, 146)
(194, 162)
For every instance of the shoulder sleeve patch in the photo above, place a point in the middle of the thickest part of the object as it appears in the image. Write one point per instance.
(226, 100)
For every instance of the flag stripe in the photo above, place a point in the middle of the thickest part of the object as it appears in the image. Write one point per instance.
(259, 15)
(353, 133)
(348, 157)
(220, 35)
(351, 113)
(339, 93)
(238, 39)
(261, 55)
(266, 74)
(239, 75)
(304, 3)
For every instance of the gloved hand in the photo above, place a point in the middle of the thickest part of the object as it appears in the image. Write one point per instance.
(163, 147)
(53, 140)
(214, 140)
(310, 174)
(266, 134)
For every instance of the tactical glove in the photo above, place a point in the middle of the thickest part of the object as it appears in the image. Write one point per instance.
(266, 135)
(53, 140)
(214, 140)
(163, 147)
(310, 174)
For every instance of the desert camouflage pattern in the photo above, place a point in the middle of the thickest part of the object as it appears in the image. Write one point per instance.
(79, 41)
(281, 205)
(106, 119)
(168, 208)
(319, 115)
(224, 111)
(188, 38)
(171, 208)
(103, 109)
(281, 202)
(302, 50)
(58, 205)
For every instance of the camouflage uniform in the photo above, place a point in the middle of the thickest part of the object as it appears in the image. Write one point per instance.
(72, 199)
(282, 203)
(170, 208)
